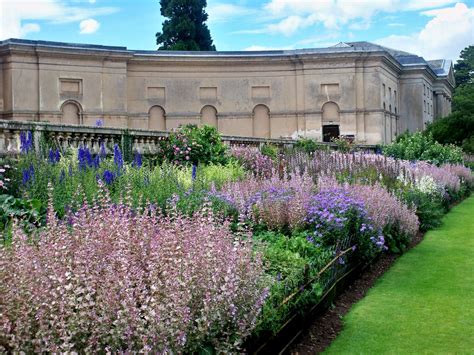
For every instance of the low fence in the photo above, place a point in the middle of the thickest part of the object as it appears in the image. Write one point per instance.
(144, 141)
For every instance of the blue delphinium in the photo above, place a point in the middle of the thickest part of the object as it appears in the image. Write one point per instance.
(26, 142)
(194, 172)
(102, 151)
(137, 160)
(84, 157)
(54, 156)
(109, 177)
(118, 159)
(96, 162)
(28, 175)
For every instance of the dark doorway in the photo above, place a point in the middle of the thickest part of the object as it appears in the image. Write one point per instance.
(330, 132)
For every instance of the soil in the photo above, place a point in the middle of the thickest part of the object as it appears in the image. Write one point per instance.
(328, 325)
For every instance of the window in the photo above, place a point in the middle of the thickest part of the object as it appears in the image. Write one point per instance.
(390, 108)
(383, 88)
(384, 108)
(424, 106)
(390, 93)
(395, 96)
(424, 90)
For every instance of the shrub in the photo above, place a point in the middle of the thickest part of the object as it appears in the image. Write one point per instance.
(112, 279)
(420, 147)
(307, 145)
(270, 150)
(457, 128)
(196, 145)
(429, 208)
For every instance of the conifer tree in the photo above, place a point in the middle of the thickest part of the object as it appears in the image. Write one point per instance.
(185, 27)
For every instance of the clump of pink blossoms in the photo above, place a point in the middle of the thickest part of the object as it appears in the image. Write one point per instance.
(109, 278)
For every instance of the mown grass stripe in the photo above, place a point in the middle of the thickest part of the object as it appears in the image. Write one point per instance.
(425, 303)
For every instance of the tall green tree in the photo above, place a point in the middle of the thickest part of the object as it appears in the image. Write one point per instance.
(464, 68)
(458, 127)
(185, 28)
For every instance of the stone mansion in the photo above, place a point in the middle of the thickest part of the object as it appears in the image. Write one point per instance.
(358, 89)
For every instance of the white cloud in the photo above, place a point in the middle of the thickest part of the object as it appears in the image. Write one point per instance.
(88, 26)
(13, 14)
(396, 24)
(444, 36)
(336, 13)
(221, 12)
(92, 1)
(29, 27)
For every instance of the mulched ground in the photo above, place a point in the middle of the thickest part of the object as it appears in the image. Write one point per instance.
(327, 326)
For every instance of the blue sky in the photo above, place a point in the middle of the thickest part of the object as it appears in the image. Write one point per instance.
(431, 28)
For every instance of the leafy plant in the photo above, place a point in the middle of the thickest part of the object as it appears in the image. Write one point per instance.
(191, 144)
(420, 147)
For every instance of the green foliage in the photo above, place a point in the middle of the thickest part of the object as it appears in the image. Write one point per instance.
(185, 28)
(464, 68)
(195, 145)
(30, 212)
(457, 128)
(422, 147)
(342, 144)
(292, 262)
(156, 184)
(428, 209)
(270, 150)
(309, 145)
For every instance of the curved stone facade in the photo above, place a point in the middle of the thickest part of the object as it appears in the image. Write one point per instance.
(361, 90)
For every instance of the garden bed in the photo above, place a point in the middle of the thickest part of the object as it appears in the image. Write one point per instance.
(212, 250)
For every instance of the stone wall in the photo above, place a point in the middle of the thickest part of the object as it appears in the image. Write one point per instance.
(368, 94)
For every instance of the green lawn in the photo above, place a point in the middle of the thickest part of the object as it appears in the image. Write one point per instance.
(425, 302)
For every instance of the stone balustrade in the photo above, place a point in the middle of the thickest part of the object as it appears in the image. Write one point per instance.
(144, 141)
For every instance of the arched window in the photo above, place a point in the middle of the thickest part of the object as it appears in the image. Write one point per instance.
(71, 112)
(390, 108)
(156, 118)
(209, 116)
(330, 112)
(261, 121)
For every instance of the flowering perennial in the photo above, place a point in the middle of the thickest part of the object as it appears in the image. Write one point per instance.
(253, 160)
(26, 142)
(273, 201)
(341, 221)
(111, 279)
